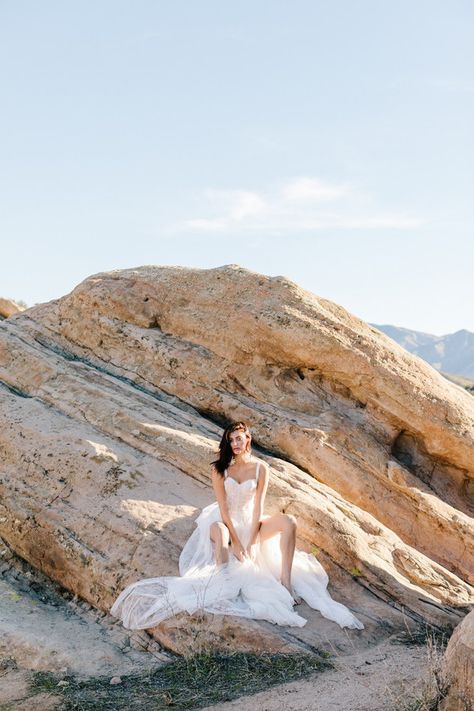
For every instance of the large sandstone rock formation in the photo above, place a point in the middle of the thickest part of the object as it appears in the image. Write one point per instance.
(112, 403)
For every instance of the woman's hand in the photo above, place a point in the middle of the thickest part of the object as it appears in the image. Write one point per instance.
(238, 550)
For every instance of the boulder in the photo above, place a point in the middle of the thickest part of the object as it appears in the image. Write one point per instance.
(458, 667)
(9, 307)
(113, 400)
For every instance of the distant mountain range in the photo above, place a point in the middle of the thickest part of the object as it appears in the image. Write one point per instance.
(453, 354)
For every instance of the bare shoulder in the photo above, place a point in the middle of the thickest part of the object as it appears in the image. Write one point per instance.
(216, 476)
(263, 468)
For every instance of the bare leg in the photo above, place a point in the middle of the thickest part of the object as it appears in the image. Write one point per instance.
(286, 525)
(287, 547)
(220, 536)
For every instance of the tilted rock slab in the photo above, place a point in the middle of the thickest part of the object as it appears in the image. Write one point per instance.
(110, 412)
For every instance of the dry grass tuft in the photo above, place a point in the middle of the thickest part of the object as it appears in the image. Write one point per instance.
(193, 682)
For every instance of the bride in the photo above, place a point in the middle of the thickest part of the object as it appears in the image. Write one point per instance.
(255, 524)
(238, 561)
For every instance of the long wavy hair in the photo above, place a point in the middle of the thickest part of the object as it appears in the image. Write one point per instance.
(225, 450)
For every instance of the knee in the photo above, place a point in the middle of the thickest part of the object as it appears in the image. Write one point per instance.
(290, 522)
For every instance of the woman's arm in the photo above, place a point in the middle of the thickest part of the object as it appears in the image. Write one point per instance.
(260, 494)
(221, 496)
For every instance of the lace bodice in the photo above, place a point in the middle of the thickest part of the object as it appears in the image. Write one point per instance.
(240, 497)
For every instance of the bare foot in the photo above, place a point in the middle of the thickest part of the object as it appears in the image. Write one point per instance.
(296, 598)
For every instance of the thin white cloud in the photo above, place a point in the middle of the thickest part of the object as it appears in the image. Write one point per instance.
(367, 223)
(240, 203)
(208, 225)
(298, 205)
(312, 190)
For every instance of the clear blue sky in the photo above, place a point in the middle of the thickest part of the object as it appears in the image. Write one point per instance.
(329, 141)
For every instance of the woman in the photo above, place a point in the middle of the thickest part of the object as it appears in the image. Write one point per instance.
(237, 561)
(236, 464)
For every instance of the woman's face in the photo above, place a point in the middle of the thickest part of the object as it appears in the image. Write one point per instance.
(238, 441)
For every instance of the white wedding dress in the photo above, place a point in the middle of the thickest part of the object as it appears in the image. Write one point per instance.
(248, 588)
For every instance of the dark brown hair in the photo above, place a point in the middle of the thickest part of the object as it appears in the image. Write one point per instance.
(225, 450)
